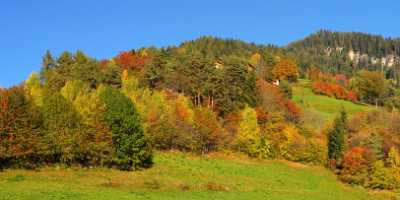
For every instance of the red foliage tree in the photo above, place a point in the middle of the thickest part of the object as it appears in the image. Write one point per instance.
(356, 165)
(130, 60)
(354, 159)
(334, 90)
(293, 112)
(352, 96)
(19, 135)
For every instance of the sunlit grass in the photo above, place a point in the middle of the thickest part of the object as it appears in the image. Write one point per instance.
(183, 176)
(324, 106)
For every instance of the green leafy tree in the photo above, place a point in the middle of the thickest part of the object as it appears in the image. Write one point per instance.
(132, 150)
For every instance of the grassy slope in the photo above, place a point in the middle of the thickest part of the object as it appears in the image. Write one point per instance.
(181, 176)
(322, 105)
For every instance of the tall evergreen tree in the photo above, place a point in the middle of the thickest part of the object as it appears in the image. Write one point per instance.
(48, 61)
(336, 137)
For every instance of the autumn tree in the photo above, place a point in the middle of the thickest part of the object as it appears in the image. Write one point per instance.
(371, 87)
(393, 158)
(34, 89)
(61, 124)
(94, 138)
(357, 162)
(209, 135)
(130, 60)
(248, 135)
(20, 130)
(285, 69)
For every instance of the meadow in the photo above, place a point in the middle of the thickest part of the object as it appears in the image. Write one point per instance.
(184, 176)
(324, 106)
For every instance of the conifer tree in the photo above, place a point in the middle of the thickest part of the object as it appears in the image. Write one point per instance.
(336, 137)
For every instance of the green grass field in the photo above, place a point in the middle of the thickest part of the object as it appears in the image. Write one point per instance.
(182, 176)
(324, 106)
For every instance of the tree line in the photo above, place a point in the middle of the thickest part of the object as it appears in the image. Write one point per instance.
(202, 96)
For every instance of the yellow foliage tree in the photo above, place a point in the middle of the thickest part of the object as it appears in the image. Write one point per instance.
(393, 158)
(33, 87)
(255, 59)
(248, 136)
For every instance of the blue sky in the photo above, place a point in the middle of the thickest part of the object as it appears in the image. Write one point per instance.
(102, 28)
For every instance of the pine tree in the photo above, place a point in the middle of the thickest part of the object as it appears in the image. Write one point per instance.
(336, 137)
(48, 61)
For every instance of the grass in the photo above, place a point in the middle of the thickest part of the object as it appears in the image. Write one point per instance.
(324, 106)
(182, 176)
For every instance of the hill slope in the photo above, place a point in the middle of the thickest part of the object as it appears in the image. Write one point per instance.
(181, 176)
(323, 106)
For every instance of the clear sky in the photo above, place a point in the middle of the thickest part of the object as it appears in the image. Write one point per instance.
(102, 28)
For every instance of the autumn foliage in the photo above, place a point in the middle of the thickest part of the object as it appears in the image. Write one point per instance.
(285, 69)
(114, 112)
(334, 90)
(128, 60)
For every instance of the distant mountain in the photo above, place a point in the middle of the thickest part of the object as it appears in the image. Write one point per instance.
(346, 51)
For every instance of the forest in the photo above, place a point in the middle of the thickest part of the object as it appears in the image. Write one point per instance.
(212, 95)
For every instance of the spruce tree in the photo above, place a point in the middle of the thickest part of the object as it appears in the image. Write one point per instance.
(336, 137)
(48, 61)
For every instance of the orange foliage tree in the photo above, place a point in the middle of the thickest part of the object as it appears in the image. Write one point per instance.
(130, 60)
(357, 163)
(333, 90)
(285, 69)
